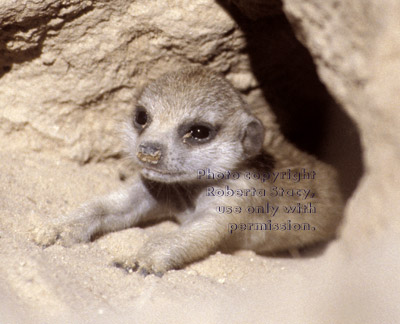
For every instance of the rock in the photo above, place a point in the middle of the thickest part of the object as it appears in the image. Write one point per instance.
(71, 69)
(356, 48)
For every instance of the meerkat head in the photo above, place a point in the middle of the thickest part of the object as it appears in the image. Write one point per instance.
(190, 120)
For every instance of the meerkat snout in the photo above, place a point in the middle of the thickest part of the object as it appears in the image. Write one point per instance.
(150, 152)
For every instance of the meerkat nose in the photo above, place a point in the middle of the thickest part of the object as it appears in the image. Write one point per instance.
(149, 152)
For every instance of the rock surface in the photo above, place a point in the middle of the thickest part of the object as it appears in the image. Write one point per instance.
(71, 68)
(357, 51)
(69, 72)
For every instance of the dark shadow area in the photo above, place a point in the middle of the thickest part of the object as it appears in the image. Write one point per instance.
(311, 251)
(307, 114)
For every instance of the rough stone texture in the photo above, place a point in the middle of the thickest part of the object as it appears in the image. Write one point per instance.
(75, 65)
(356, 47)
(25, 25)
(69, 71)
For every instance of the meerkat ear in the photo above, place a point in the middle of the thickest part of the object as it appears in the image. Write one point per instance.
(253, 136)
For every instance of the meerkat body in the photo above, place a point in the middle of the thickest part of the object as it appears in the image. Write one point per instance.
(230, 181)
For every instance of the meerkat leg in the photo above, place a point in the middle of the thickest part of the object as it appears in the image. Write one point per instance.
(119, 210)
(192, 241)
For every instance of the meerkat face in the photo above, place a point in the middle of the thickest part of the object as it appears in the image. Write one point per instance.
(187, 121)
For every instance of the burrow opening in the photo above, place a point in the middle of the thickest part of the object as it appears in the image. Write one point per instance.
(307, 113)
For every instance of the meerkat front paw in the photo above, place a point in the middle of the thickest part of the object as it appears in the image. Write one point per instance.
(157, 256)
(65, 234)
(73, 233)
(45, 235)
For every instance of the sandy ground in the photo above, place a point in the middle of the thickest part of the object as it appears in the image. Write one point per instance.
(80, 285)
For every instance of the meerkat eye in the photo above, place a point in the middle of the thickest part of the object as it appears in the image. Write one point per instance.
(141, 117)
(200, 132)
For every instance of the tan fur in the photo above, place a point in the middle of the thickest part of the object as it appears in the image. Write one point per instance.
(161, 139)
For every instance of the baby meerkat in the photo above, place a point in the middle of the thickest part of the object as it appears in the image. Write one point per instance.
(204, 159)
